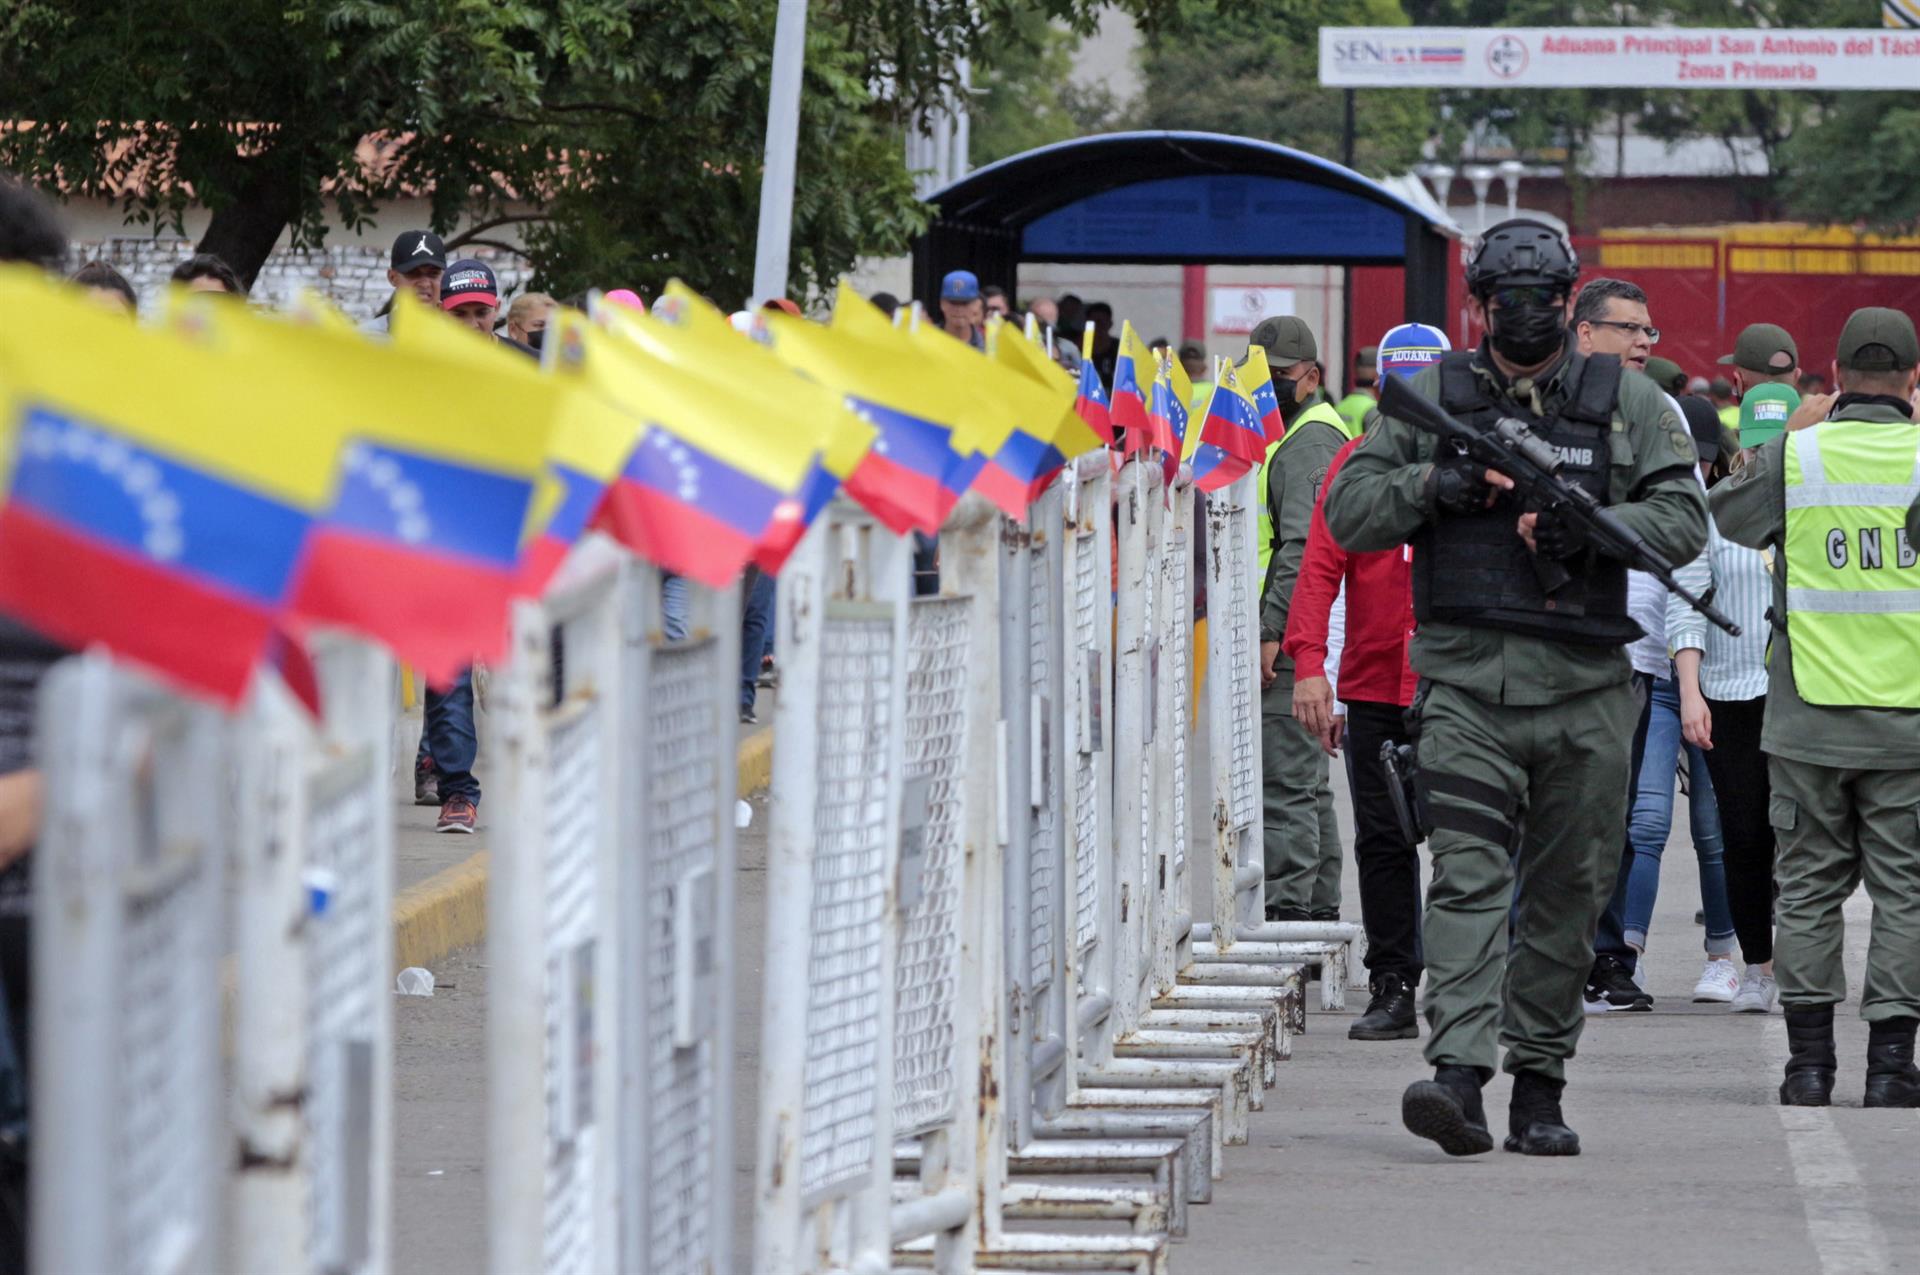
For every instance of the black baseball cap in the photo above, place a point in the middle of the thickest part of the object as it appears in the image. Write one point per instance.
(416, 248)
(468, 280)
(1703, 422)
(1877, 339)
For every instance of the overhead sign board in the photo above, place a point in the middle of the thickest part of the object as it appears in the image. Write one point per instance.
(1238, 308)
(1617, 57)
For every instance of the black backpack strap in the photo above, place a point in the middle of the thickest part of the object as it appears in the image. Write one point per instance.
(1596, 392)
(1460, 389)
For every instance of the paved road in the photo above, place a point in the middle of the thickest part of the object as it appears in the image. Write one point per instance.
(1688, 1167)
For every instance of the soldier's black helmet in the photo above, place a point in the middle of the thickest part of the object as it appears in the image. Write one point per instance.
(1522, 253)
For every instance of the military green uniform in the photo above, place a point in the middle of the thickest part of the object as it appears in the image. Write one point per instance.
(1302, 837)
(1845, 804)
(1523, 737)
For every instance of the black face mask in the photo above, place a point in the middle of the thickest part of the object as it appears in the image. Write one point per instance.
(1287, 390)
(1528, 335)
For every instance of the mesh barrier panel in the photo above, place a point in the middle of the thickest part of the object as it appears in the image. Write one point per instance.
(571, 833)
(1043, 844)
(927, 970)
(682, 788)
(343, 945)
(849, 921)
(163, 1147)
(1180, 655)
(1245, 759)
(1085, 550)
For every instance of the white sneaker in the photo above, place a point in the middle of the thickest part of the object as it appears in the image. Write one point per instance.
(1757, 992)
(1719, 983)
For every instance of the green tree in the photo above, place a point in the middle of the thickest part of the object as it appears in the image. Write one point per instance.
(1252, 69)
(633, 126)
(1025, 97)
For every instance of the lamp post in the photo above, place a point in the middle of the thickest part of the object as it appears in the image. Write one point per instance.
(775, 244)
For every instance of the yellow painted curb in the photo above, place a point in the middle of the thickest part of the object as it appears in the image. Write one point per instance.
(448, 910)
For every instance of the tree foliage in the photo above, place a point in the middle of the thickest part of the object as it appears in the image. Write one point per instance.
(1253, 69)
(635, 127)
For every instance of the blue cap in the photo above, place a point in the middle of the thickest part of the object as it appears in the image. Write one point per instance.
(960, 285)
(1411, 346)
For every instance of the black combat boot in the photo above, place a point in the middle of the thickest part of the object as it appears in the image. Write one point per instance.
(1892, 1079)
(1389, 1014)
(1276, 913)
(1448, 1110)
(1324, 914)
(1534, 1123)
(1810, 1064)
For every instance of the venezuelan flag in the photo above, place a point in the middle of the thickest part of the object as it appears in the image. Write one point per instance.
(1231, 439)
(1091, 403)
(711, 477)
(693, 513)
(589, 447)
(1258, 378)
(148, 510)
(1167, 407)
(689, 331)
(916, 470)
(1233, 420)
(446, 437)
(1133, 373)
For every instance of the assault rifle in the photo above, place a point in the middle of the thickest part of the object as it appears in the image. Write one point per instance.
(1512, 449)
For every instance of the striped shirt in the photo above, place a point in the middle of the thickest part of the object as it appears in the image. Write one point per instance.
(1731, 668)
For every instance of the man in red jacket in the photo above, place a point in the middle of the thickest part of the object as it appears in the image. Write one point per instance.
(1375, 686)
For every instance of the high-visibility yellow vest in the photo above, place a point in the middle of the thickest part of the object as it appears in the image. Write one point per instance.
(1853, 578)
(1353, 409)
(1326, 415)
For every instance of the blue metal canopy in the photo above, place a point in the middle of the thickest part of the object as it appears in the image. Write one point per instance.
(1179, 198)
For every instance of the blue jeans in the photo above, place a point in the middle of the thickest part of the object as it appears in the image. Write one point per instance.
(756, 631)
(449, 740)
(1652, 819)
(673, 608)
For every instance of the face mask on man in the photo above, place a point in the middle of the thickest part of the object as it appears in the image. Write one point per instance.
(1528, 326)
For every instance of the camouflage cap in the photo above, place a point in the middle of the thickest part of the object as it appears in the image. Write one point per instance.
(1877, 339)
(1287, 340)
(1764, 349)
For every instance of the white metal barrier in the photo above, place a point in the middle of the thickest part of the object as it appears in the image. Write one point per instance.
(312, 987)
(676, 888)
(554, 975)
(1238, 869)
(129, 1155)
(824, 1177)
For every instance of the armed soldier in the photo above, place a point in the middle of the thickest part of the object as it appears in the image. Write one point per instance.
(1526, 711)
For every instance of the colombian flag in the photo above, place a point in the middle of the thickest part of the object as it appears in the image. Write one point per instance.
(1258, 378)
(149, 510)
(689, 331)
(916, 470)
(1133, 373)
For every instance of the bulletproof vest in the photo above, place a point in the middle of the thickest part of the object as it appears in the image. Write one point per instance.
(1474, 570)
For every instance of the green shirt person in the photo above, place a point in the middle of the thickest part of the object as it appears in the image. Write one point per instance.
(1527, 709)
(1360, 398)
(1833, 498)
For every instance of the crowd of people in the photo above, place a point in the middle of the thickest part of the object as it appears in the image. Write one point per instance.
(1408, 626)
